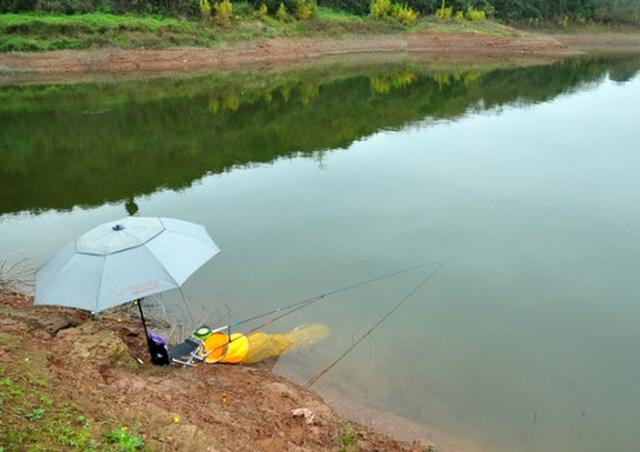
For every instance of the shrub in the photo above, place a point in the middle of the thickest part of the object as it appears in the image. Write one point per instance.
(380, 9)
(304, 9)
(224, 12)
(564, 21)
(360, 7)
(444, 13)
(243, 10)
(459, 18)
(403, 14)
(205, 9)
(281, 13)
(475, 15)
(262, 11)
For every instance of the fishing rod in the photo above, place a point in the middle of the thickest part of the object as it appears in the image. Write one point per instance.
(397, 306)
(302, 303)
(293, 307)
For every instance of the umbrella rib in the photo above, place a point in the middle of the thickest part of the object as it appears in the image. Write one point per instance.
(157, 261)
(97, 300)
(196, 237)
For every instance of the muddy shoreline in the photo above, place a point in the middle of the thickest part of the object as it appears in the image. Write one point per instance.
(284, 54)
(453, 48)
(95, 365)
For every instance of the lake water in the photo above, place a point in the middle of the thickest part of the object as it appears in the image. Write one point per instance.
(524, 179)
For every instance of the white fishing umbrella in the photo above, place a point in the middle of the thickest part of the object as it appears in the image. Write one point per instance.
(123, 260)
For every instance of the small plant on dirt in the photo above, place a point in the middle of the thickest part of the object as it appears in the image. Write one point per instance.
(403, 14)
(475, 15)
(348, 439)
(459, 17)
(36, 414)
(124, 440)
(224, 12)
(281, 13)
(83, 421)
(205, 9)
(43, 398)
(12, 388)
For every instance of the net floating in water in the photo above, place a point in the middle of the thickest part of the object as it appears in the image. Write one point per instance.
(259, 346)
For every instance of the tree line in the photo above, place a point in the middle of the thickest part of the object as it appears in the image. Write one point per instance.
(619, 11)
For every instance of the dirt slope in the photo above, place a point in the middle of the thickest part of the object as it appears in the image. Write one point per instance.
(88, 365)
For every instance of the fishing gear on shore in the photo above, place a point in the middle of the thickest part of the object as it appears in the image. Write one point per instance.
(223, 340)
(220, 345)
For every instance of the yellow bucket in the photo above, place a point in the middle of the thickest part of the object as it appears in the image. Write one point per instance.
(237, 349)
(215, 347)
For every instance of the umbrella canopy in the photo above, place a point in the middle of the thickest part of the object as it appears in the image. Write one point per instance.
(122, 261)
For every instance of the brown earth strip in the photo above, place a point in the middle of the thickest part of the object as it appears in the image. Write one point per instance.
(600, 41)
(454, 47)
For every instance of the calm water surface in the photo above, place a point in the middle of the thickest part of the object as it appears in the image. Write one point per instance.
(526, 180)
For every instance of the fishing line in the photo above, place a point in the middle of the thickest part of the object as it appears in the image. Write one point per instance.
(426, 279)
(293, 307)
(186, 306)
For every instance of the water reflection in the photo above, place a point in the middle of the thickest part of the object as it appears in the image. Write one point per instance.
(85, 145)
(532, 323)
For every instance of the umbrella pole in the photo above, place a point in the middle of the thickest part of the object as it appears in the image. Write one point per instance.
(144, 324)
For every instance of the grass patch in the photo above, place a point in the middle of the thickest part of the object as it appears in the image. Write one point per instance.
(486, 27)
(36, 418)
(38, 32)
(348, 438)
(33, 32)
(577, 27)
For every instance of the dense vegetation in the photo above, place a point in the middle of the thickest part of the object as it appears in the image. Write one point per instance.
(137, 137)
(33, 32)
(627, 11)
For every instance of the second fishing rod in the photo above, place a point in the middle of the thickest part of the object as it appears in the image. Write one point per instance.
(286, 310)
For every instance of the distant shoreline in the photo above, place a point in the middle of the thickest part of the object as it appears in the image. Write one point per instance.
(265, 54)
(445, 47)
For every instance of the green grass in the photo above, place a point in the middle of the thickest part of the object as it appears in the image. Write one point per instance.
(35, 32)
(348, 438)
(39, 32)
(51, 32)
(324, 13)
(487, 27)
(579, 28)
(36, 417)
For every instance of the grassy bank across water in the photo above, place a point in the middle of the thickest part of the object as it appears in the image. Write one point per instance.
(35, 32)
(38, 32)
